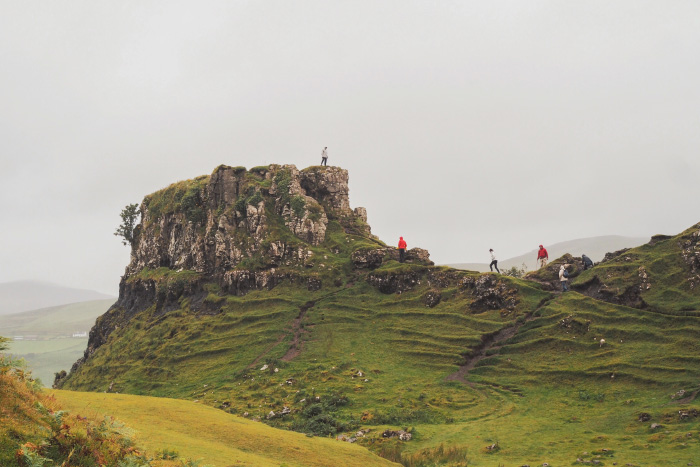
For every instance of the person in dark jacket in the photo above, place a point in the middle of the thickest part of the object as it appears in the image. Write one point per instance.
(402, 250)
(587, 262)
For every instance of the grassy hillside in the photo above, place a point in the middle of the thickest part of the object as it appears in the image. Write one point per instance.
(47, 345)
(383, 361)
(337, 339)
(213, 437)
(662, 275)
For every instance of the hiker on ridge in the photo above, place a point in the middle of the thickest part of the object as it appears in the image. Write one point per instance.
(587, 262)
(324, 156)
(542, 257)
(402, 250)
(494, 261)
(564, 278)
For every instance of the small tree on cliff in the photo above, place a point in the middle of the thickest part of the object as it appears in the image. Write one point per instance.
(126, 229)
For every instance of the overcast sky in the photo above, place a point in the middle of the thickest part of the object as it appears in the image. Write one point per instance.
(464, 125)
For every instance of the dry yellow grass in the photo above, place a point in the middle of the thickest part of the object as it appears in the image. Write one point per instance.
(219, 439)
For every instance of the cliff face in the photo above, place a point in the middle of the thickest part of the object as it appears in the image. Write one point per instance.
(213, 224)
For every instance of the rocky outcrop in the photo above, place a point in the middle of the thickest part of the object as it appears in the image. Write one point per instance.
(401, 434)
(489, 293)
(372, 258)
(240, 282)
(394, 281)
(690, 250)
(612, 255)
(630, 296)
(329, 187)
(548, 276)
(369, 258)
(658, 238)
(213, 224)
(432, 298)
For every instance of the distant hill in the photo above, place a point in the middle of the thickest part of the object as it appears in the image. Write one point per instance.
(19, 296)
(46, 336)
(55, 321)
(594, 247)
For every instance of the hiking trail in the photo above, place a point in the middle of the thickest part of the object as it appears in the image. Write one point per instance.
(492, 341)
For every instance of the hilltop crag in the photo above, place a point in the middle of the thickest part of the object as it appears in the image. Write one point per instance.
(240, 230)
(215, 223)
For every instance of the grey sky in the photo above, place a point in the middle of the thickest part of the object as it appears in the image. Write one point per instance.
(464, 125)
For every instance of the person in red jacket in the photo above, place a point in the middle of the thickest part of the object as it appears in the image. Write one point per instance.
(542, 257)
(402, 250)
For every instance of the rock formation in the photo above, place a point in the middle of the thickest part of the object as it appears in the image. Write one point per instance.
(244, 230)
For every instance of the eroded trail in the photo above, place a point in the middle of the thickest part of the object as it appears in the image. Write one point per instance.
(295, 346)
(490, 342)
(296, 329)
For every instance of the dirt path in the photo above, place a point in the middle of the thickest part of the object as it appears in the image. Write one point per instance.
(295, 347)
(297, 331)
(490, 342)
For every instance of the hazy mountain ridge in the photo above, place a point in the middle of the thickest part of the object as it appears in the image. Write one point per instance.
(20, 296)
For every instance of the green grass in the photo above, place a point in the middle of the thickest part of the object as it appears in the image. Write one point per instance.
(215, 438)
(669, 289)
(406, 350)
(44, 358)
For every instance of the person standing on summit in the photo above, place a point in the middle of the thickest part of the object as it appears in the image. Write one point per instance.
(402, 250)
(324, 156)
(542, 257)
(494, 261)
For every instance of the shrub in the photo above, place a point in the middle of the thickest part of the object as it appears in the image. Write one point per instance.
(516, 271)
(298, 205)
(127, 228)
(193, 205)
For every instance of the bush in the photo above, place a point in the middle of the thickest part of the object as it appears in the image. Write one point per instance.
(516, 271)
(192, 205)
(298, 205)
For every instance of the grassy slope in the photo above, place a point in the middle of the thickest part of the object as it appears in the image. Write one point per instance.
(199, 432)
(574, 395)
(545, 396)
(669, 289)
(391, 338)
(549, 394)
